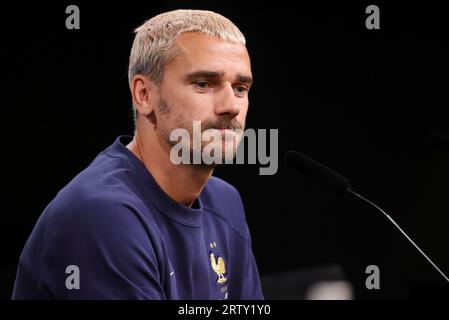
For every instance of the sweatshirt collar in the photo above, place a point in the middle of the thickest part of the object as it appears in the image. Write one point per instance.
(166, 205)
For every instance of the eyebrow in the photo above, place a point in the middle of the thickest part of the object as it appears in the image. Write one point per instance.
(215, 75)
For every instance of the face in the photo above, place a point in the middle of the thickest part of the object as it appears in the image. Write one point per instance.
(207, 81)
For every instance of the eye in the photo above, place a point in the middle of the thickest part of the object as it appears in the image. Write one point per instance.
(241, 90)
(202, 84)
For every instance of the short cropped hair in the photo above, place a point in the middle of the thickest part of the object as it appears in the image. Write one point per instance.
(154, 44)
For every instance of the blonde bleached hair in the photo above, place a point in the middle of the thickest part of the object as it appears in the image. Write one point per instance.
(154, 44)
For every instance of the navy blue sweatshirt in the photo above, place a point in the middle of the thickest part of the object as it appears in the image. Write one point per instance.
(113, 233)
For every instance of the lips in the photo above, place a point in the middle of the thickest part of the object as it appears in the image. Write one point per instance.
(226, 132)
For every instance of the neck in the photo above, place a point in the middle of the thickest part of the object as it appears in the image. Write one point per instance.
(183, 183)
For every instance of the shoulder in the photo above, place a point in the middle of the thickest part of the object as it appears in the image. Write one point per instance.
(221, 185)
(106, 237)
(107, 188)
(99, 216)
(98, 204)
(223, 200)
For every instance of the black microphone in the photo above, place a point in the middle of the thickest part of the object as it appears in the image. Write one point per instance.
(341, 186)
(330, 179)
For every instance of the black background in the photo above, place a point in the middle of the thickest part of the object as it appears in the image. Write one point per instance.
(364, 102)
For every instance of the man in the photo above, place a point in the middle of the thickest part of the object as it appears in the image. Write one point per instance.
(135, 225)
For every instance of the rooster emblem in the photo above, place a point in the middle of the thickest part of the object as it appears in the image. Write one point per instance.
(218, 265)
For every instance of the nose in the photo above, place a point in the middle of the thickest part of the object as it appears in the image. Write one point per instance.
(226, 102)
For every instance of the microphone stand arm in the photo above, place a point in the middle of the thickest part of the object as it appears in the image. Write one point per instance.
(402, 231)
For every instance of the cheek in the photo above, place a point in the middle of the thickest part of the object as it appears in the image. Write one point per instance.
(188, 99)
(174, 120)
(243, 111)
(197, 106)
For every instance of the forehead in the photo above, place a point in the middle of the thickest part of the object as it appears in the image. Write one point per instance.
(196, 50)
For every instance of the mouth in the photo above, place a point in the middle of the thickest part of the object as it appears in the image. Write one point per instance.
(227, 133)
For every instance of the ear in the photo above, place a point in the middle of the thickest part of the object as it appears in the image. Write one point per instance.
(143, 91)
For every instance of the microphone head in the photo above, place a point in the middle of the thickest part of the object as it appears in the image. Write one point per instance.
(330, 179)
